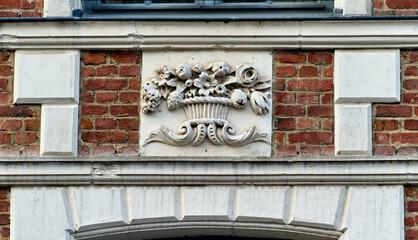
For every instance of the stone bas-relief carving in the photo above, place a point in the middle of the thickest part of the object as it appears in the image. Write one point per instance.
(206, 94)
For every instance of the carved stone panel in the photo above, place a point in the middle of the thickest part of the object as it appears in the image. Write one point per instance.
(201, 103)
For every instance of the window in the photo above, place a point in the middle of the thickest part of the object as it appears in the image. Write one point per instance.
(207, 9)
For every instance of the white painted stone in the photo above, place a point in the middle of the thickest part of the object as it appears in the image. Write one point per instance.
(207, 203)
(376, 213)
(100, 207)
(38, 210)
(57, 8)
(153, 203)
(265, 203)
(59, 128)
(353, 129)
(46, 77)
(242, 119)
(367, 76)
(354, 7)
(318, 206)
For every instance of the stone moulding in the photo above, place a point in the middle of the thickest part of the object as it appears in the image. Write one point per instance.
(206, 94)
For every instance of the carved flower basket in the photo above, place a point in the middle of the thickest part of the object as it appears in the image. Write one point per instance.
(206, 110)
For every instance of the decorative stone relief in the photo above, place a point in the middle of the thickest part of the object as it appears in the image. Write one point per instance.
(206, 94)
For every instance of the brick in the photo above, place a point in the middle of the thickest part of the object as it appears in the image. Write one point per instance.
(320, 58)
(4, 57)
(310, 84)
(284, 123)
(385, 125)
(327, 124)
(284, 97)
(409, 191)
(4, 14)
(393, 111)
(288, 110)
(124, 110)
(129, 97)
(106, 97)
(407, 151)
(402, 4)
(279, 136)
(411, 71)
(384, 151)
(326, 98)
(31, 151)
(320, 111)
(31, 125)
(22, 4)
(84, 151)
(279, 84)
(308, 98)
(5, 138)
(6, 70)
(310, 150)
(311, 137)
(286, 71)
(328, 151)
(124, 57)
(11, 125)
(85, 123)
(308, 71)
(416, 111)
(409, 221)
(31, 14)
(93, 110)
(5, 97)
(411, 234)
(406, 13)
(4, 193)
(384, 13)
(377, 3)
(4, 206)
(411, 124)
(104, 150)
(128, 151)
(133, 84)
(129, 71)
(104, 123)
(411, 98)
(290, 57)
(9, 152)
(25, 138)
(307, 123)
(5, 232)
(103, 137)
(127, 124)
(286, 151)
(133, 137)
(404, 138)
(381, 138)
(106, 71)
(88, 72)
(4, 219)
(412, 206)
(413, 57)
(328, 72)
(87, 97)
(93, 58)
(410, 84)
(3, 84)
(105, 84)
(15, 111)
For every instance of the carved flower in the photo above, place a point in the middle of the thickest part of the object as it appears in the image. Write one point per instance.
(198, 68)
(184, 71)
(259, 103)
(163, 75)
(220, 69)
(220, 89)
(205, 83)
(247, 75)
(238, 98)
(174, 100)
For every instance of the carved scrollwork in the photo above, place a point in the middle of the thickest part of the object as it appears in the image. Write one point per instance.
(206, 95)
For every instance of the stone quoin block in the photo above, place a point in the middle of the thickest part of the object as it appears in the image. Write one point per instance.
(46, 77)
(59, 128)
(353, 129)
(367, 76)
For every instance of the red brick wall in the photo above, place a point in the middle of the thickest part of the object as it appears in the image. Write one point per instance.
(21, 8)
(19, 125)
(5, 213)
(411, 213)
(109, 104)
(303, 103)
(396, 125)
(395, 7)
